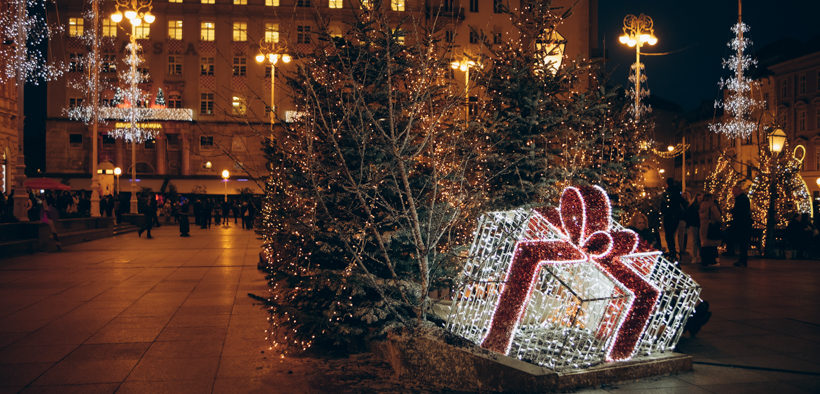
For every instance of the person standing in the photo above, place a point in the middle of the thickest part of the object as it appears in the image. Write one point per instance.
(693, 227)
(741, 225)
(709, 240)
(49, 216)
(672, 207)
(184, 211)
(149, 209)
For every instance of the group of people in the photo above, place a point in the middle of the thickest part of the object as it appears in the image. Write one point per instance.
(205, 211)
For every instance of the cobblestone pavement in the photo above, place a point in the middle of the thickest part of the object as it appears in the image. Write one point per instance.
(172, 314)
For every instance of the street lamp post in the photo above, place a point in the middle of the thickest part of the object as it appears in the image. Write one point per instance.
(225, 176)
(638, 30)
(776, 140)
(465, 65)
(271, 53)
(117, 173)
(137, 12)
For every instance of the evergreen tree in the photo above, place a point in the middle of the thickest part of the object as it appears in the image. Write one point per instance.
(160, 99)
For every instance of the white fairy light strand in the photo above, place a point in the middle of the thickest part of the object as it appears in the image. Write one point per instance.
(739, 103)
(26, 31)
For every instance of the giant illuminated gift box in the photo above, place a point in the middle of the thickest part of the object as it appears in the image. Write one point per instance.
(568, 287)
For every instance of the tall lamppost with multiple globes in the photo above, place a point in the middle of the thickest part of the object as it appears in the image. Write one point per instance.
(638, 30)
(226, 175)
(137, 12)
(117, 173)
(776, 140)
(270, 52)
(465, 65)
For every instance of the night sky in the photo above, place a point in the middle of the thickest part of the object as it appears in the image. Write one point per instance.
(697, 32)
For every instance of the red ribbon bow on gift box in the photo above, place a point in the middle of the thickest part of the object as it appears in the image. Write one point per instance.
(583, 222)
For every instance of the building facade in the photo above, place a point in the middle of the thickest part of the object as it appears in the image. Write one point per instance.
(200, 53)
(9, 127)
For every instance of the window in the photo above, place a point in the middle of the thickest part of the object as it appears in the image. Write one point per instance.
(267, 70)
(206, 141)
(335, 4)
(240, 31)
(473, 5)
(240, 2)
(142, 32)
(172, 141)
(174, 101)
(802, 84)
(765, 101)
(206, 66)
(109, 28)
(240, 66)
(399, 34)
(397, 5)
(108, 63)
(498, 6)
(302, 34)
(496, 38)
(206, 105)
(208, 1)
(801, 120)
(150, 144)
(818, 80)
(816, 159)
(784, 89)
(175, 1)
(108, 141)
(272, 3)
(206, 31)
(75, 62)
(75, 102)
(238, 105)
(303, 3)
(271, 32)
(367, 4)
(174, 65)
(75, 140)
(75, 27)
(175, 29)
(448, 36)
(817, 118)
(473, 37)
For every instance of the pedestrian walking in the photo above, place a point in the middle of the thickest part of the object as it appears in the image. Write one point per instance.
(49, 216)
(672, 207)
(693, 227)
(710, 234)
(741, 228)
(149, 209)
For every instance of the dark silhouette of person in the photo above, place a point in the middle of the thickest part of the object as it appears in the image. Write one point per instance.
(149, 209)
(672, 208)
(741, 225)
(184, 225)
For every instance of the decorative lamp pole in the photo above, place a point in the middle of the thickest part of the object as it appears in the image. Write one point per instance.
(638, 30)
(95, 105)
(117, 173)
(137, 12)
(465, 65)
(225, 176)
(271, 53)
(777, 140)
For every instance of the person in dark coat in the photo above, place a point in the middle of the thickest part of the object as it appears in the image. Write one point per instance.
(672, 208)
(184, 211)
(741, 225)
(149, 209)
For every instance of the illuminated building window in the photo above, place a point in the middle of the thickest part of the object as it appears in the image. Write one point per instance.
(75, 62)
(397, 5)
(75, 27)
(240, 66)
(206, 31)
(175, 29)
(240, 31)
(399, 34)
(240, 2)
(302, 34)
(109, 28)
(175, 1)
(206, 66)
(271, 32)
(142, 32)
(206, 105)
(272, 3)
(238, 105)
(303, 3)
(174, 65)
(108, 63)
(367, 4)
(335, 3)
(473, 5)
(208, 1)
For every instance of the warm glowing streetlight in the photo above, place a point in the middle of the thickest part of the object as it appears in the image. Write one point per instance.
(117, 173)
(135, 11)
(464, 66)
(777, 139)
(638, 30)
(225, 176)
(273, 53)
(670, 148)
